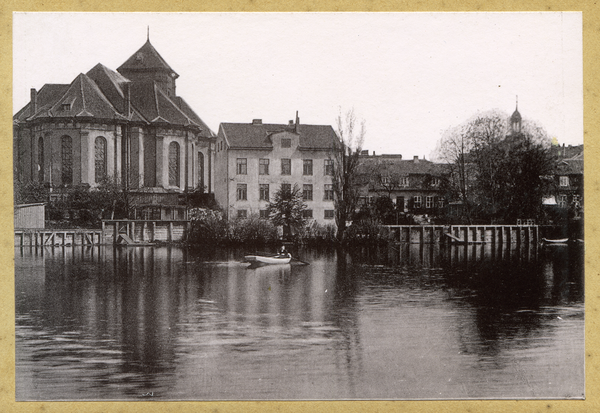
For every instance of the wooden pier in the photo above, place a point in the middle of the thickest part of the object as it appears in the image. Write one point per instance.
(465, 234)
(57, 237)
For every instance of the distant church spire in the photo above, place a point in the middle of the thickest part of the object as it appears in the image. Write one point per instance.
(515, 119)
(148, 33)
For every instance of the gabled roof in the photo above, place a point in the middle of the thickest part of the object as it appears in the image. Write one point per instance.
(84, 99)
(250, 135)
(146, 59)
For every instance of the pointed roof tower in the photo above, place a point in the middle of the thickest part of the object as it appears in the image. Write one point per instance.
(148, 64)
(515, 120)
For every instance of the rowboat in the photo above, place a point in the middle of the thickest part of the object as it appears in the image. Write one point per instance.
(268, 259)
(556, 241)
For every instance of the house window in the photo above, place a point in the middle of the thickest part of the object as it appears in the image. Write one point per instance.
(65, 107)
(286, 187)
(417, 202)
(242, 192)
(404, 181)
(242, 166)
(263, 167)
(201, 170)
(242, 213)
(264, 192)
(174, 164)
(329, 214)
(400, 203)
(66, 154)
(564, 181)
(264, 214)
(329, 167)
(385, 180)
(307, 168)
(562, 201)
(41, 159)
(328, 192)
(100, 159)
(286, 167)
(435, 181)
(307, 213)
(307, 192)
(440, 202)
(576, 198)
(428, 202)
(286, 143)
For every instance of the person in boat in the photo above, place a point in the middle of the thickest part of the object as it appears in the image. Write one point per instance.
(283, 252)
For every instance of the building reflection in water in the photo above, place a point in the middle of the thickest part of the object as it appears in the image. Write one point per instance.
(117, 323)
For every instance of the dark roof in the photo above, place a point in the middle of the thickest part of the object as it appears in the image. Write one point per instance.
(46, 97)
(395, 165)
(156, 106)
(249, 135)
(516, 116)
(111, 83)
(571, 166)
(193, 116)
(146, 59)
(84, 99)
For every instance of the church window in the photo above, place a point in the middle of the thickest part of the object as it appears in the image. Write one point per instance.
(66, 148)
(174, 164)
(200, 169)
(100, 158)
(41, 159)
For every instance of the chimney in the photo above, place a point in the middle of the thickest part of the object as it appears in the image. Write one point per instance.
(297, 123)
(257, 121)
(33, 101)
(416, 159)
(291, 122)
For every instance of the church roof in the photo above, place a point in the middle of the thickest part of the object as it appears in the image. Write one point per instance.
(258, 136)
(146, 59)
(83, 98)
(516, 116)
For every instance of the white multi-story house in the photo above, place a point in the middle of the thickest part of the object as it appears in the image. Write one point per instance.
(253, 160)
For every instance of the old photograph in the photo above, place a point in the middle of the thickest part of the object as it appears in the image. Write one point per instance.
(298, 206)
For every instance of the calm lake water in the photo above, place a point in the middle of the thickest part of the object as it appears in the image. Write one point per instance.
(409, 322)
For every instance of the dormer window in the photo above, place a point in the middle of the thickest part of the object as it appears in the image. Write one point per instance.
(65, 107)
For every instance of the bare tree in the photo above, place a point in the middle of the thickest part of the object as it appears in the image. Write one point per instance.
(492, 167)
(345, 154)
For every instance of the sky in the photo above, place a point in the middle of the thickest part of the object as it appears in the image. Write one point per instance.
(409, 76)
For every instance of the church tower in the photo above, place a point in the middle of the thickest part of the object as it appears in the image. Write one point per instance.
(515, 120)
(147, 65)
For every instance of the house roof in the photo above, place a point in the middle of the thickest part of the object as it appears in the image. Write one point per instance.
(250, 135)
(146, 59)
(395, 165)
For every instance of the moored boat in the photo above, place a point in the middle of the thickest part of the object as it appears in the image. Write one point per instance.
(555, 241)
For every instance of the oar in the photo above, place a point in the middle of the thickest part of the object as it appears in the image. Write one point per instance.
(300, 261)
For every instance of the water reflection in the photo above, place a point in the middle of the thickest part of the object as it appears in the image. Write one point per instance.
(412, 321)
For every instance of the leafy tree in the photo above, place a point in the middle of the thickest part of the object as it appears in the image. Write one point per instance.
(345, 154)
(287, 210)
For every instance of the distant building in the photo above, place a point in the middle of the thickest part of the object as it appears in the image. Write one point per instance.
(253, 160)
(414, 185)
(128, 125)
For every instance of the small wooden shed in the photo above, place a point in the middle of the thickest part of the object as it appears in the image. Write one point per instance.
(30, 216)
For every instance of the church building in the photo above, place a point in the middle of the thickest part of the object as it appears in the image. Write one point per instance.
(127, 125)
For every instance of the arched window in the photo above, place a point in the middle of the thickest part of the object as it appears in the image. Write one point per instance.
(41, 159)
(100, 158)
(201, 170)
(174, 164)
(66, 152)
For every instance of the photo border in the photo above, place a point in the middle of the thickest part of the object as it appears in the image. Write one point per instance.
(591, 89)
